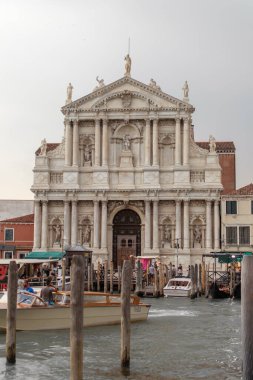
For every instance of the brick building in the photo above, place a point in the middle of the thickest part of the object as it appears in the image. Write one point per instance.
(16, 236)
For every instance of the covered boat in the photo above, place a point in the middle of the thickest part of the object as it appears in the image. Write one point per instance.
(178, 287)
(99, 309)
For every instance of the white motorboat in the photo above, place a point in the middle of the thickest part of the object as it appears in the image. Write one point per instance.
(178, 287)
(99, 309)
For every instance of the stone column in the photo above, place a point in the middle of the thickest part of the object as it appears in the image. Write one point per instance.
(74, 224)
(68, 142)
(178, 142)
(186, 141)
(147, 143)
(155, 225)
(44, 229)
(186, 223)
(155, 143)
(96, 224)
(97, 142)
(75, 143)
(208, 224)
(178, 223)
(147, 224)
(216, 225)
(66, 235)
(105, 143)
(37, 224)
(104, 225)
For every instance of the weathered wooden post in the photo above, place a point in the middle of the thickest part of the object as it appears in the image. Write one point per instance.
(156, 282)
(119, 278)
(89, 277)
(192, 281)
(125, 314)
(247, 317)
(200, 280)
(170, 271)
(11, 313)
(105, 276)
(166, 274)
(63, 273)
(111, 277)
(207, 282)
(76, 318)
(196, 281)
(138, 288)
(203, 277)
(98, 276)
(161, 279)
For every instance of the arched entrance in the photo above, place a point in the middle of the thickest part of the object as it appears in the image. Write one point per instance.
(126, 236)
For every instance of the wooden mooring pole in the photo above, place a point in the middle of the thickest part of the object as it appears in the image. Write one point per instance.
(105, 276)
(138, 288)
(11, 314)
(63, 273)
(247, 317)
(125, 314)
(111, 277)
(98, 276)
(192, 274)
(119, 278)
(76, 316)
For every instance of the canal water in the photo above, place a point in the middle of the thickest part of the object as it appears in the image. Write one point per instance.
(182, 339)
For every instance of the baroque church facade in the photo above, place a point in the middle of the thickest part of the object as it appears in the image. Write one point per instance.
(128, 177)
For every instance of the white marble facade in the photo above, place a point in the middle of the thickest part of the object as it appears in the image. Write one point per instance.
(128, 146)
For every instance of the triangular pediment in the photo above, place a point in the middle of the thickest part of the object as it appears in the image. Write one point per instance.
(127, 93)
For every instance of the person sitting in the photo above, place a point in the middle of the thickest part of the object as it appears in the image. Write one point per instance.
(27, 287)
(47, 292)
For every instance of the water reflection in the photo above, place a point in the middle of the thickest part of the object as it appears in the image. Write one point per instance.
(182, 339)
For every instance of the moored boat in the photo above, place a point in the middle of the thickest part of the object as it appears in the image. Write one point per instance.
(99, 309)
(178, 287)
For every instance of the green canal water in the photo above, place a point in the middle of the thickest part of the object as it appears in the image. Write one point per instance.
(182, 339)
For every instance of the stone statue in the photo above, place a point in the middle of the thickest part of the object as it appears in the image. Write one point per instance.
(167, 234)
(86, 234)
(101, 83)
(69, 93)
(87, 154)
(197, 235)
(128, 65)
(126, 143)
(186, 89)
(57, 238)
(212, 144)
(43, 148)
(153, 84)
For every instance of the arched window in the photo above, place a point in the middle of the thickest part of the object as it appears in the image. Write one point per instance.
(130, 243)
(123, 243)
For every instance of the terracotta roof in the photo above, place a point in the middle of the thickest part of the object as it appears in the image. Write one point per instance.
(245, 190)
(221, 146)
(50, 146)
(21, 219)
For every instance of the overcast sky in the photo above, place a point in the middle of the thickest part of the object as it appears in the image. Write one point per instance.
(48, 43)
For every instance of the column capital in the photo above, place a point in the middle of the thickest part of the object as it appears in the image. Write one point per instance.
(216, 202)
(177, 118)
(178, 201)
(186, 200)
(97, 120)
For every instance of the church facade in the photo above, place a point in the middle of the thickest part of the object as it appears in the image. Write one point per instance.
(128, 177)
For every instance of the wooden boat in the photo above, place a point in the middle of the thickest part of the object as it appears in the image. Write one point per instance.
(99, 309)
(178, 287)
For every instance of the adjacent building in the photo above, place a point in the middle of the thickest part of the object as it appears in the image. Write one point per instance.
(16, 237)
(237, 220)
(128, 177)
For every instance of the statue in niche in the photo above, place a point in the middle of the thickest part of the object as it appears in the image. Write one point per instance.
(87, 154)
(212, 144)
(128, 64)
(167, 234)
(43, 148)
(69, 93)
(186, 89)
(57, 237)
(126, 143)
(86, 234)
(197, 236)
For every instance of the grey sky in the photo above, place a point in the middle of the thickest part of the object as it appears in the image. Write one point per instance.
(46, 44)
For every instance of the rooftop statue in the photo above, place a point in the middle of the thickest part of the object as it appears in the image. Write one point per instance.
(153, 84)
(128, 64)
(101, 83)
(186, 89)
(69, 93)
(43, 148)
(212, 144)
